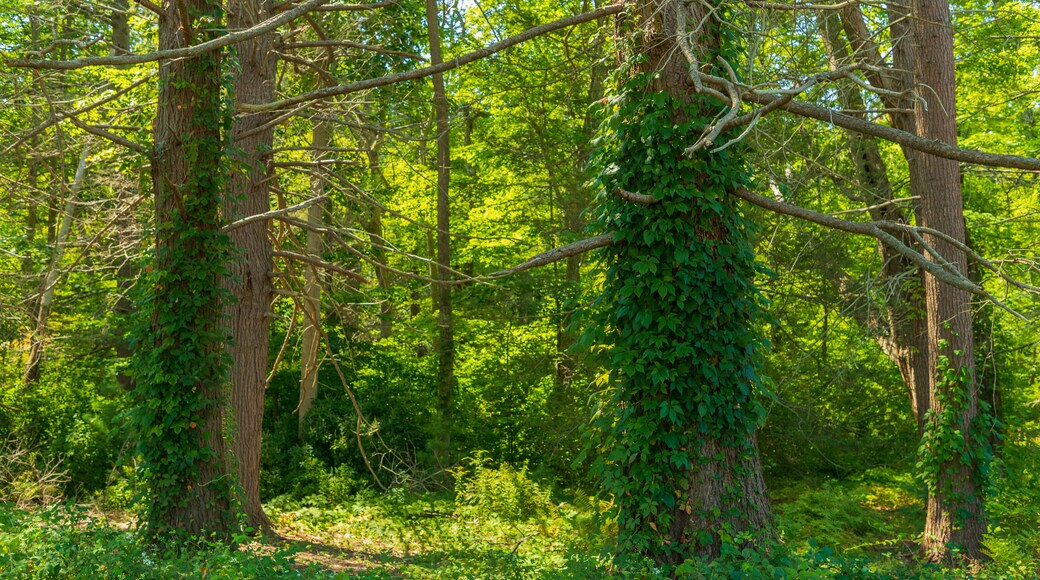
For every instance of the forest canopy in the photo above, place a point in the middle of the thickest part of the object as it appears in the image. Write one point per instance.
(519, 289)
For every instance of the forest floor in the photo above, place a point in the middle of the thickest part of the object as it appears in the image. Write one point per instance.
(869, 526)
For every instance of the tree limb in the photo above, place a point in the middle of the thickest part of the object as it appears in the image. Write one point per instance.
(319, 263)
(557, 254)
(186, 52)
(439, 68)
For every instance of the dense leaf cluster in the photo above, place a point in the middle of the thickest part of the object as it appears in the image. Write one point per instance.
(681, 330)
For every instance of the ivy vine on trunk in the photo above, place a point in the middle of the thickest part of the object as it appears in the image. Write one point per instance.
(681, 309)
(181, 363)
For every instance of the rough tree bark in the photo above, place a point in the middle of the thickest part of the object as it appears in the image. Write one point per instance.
(249, 273)
(955, 514)
(186, 157)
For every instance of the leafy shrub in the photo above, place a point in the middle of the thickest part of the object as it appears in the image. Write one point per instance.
(64, 542)
(506, 494)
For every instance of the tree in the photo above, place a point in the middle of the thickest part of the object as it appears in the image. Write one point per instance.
(248, 280)
(682, 460)
(952, 466)
(445, 345)
(182, 364)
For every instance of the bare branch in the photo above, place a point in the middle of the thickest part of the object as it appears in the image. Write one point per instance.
(93, 130)
(153, 7)
(349, 44)
(640, 198)
(319, 263)
(187, 52)
(439, 68)
(874, 230)
(58, 116)
(272, 214)
(557, 254)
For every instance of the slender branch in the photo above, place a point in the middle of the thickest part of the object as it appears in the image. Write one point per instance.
(186, 52)
(272, 214)
(877, 206)
(319, 263)
(135, 147)
(640, 198)
(153, 7)
(874, 230)
(557, 254)
(56, 118)
(439, 68)
(930, 146)
(349, 44)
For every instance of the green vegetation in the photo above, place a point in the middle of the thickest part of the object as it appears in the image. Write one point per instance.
(674, 312)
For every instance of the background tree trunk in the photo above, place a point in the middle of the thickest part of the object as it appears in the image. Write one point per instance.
(311, 341)
(249, 273)
(445, 346)
(49, 283)
(906, 338)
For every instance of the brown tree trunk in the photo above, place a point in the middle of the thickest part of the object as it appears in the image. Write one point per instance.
(311, 341)
(445, 346)
(955, 513)
(249, 273)
(187, 141)
(906, 338)
(120, 27)
(923, 63)
(724, 488)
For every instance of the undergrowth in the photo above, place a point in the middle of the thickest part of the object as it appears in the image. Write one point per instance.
(501, 523)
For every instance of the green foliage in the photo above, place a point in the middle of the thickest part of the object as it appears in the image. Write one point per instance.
(947, 444)
(70, 415)
(66, 542)
(679, 311)
(502, 493)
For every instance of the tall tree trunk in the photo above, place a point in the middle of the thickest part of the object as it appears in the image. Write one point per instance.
(49, 283)
(181, 370)
(374, 227)
(445, 322)
(120, 27)
(684, 465)
(311, 341)
(923, 63)
(249, 273)
(574, 206)
(906, 339)
(955, 513)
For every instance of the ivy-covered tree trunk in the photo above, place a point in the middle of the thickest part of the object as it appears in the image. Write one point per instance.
(249, 271)
(182, 362)
(682, 309)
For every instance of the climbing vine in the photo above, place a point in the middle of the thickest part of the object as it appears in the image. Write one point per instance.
(180, 359)
(947, 445)
(679, 314)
